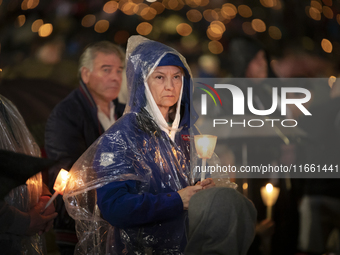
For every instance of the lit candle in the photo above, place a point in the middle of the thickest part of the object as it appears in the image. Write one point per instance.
(59, 185)
(269, 196)
(205, 146)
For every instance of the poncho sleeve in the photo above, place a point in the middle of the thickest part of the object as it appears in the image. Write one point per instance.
(122, 206)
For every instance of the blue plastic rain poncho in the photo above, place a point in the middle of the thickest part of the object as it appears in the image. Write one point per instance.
(123, 190)
(134, 169)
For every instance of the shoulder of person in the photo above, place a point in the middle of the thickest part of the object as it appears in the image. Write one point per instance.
(69, 105)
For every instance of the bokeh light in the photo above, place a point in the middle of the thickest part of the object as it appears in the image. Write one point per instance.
(175, 5)
(144, 28)
(101, 26)
(20, 20)
(268, 3)
(215, 31)
(258, 25)
(275, 4)
(338, 18)
(148, 13)
(128, 8)
(31, 4)
(314, 13)
(139, 8)
(45, 30)
(326, 45)
(327, 12)
(194, 15)
(36, 25)
(204, 2)
(88, 20)
(229, 11)
(217, 27)
(316, 4)
(215, 47)
(275, 32)
(331, 81)
(210, 15)
(184, 29)
(193, 3)
(110, 7)
(244, 11)
(24, 5)
(159, 7)
(172, 4)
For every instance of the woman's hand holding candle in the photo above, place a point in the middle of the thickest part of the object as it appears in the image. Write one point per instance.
(40, 223)
(187, 193)
(206, 183)
(48, 211)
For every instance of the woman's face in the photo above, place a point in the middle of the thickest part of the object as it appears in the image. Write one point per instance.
(165, 84)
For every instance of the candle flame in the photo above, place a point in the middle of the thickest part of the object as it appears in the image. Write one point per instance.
(205, 145)
(269, 188)
(60, 182)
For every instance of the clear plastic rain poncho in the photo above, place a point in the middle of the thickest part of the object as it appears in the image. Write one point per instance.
(14, 136)
(139, 147)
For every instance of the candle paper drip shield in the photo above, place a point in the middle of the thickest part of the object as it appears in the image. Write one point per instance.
(202, 146)
(14, 136)
(59, 185)
(205, 145)
(60, 182)
(269, 195)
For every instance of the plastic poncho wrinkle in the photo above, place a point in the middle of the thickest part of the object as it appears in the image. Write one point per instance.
(14, 136)
(134, 148)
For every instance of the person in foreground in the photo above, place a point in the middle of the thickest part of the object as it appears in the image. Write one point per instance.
(140, 167)
(221, 221)
(23, 218)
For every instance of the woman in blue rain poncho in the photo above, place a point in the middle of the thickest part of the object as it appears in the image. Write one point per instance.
(136, 176)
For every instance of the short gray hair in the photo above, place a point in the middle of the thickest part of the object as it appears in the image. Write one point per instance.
(91, 51)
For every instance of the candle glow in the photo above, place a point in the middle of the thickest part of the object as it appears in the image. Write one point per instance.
(269, 195)
(59, 185)
(205, 146)
(60, 182)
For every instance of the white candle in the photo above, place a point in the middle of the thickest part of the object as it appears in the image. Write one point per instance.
(269, 196)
